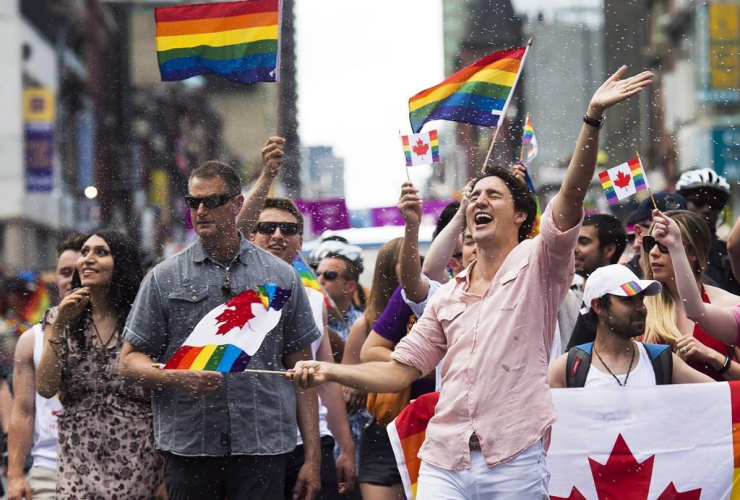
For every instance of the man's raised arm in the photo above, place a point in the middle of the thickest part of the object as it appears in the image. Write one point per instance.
(254, 201)
(568, 207)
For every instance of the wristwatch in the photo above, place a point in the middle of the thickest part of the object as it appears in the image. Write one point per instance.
(594, 122)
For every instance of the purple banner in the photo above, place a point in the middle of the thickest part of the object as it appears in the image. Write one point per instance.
(390, 216)
(39, 143)
(321, 215)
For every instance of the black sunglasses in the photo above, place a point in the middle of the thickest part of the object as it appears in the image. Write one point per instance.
(648, 242)
(269, 228)
(328, 275)
(701, 201)
(211, 201)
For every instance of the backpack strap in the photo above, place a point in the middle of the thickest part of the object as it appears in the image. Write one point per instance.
(661, 358)
(579, 362)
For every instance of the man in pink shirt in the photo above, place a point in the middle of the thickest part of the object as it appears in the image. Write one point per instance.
(494, 326)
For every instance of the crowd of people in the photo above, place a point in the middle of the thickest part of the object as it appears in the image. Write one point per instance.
(492, 317)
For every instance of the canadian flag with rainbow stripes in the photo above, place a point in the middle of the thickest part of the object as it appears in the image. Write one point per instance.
(669, 442)
(229, 335)
(624, 180)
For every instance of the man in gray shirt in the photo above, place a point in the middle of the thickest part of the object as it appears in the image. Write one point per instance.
(223, 435)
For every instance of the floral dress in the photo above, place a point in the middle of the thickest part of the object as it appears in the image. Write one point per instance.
(106, 442)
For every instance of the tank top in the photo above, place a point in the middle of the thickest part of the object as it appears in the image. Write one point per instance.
(316, 301)
(44, 451)
(712, 343)
(641, 376)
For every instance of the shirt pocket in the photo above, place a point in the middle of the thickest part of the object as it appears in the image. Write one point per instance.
(447, 316)
(510, 286)
(187, 308)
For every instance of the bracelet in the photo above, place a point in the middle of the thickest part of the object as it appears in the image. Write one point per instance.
(725, 366)
(593, 121)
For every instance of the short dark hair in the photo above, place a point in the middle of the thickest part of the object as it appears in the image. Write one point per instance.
(212, 169)
(73, 242)
(286, 205)
(524, 200)
(611, 231)
(353, 272)
(445, 217)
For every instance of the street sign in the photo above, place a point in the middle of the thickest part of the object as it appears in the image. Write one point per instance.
(726, 151)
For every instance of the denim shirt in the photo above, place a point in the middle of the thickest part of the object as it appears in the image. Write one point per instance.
(248, 414)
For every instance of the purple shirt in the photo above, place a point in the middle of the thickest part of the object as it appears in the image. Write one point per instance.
(393, 323)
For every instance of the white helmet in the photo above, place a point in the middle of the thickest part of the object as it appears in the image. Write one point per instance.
(702, 178)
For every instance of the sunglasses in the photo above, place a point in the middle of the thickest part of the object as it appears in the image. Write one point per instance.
(648, 242)
(286, 228)
(328, 275)
(700, 201)
(211, 201)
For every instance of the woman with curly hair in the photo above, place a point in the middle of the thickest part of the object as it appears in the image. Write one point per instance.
(106, 445)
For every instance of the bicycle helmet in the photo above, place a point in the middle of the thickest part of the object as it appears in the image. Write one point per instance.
(336, 245)
(703, 178)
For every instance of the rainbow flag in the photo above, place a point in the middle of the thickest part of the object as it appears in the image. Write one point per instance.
(529, 141)
(478, 94)
(624, 180)
(37, 304)
(310, 281)
(227, 337)
(238, 41)
(407, 433)
(421, 149)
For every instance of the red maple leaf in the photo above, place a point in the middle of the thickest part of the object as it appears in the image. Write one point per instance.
(622, 180)
(622, 477)
(421, 148)
(238, 311)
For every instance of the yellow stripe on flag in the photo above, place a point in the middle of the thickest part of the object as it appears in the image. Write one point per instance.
(203, 357)
(220, 39)
(735, 493)
(495, 76)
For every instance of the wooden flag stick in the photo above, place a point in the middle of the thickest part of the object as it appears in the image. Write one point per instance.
(644, 172)
(490, 149)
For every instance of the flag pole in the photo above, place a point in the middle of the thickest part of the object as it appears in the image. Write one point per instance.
(521, 152)
(650, 190)
(506, 106)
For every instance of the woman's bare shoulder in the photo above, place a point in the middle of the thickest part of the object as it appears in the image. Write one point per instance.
(720, 297)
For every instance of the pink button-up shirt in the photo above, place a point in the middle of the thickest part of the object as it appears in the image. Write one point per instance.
(496, 349)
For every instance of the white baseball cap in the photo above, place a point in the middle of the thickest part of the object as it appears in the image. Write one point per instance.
(618, 280)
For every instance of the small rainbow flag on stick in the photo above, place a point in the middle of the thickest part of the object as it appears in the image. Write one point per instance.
(421, 149)
(624, 180)
(310, 281)
(227, 337)
(529, 142)
(238, 41)
(478, 94)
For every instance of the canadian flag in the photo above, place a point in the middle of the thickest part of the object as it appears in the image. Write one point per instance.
(679, 442)
(676, 442)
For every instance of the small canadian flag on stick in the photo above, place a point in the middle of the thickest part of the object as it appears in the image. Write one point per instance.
(624, 180)
(421, 149)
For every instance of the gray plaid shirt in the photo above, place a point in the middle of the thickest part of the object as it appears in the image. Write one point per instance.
(248, 414)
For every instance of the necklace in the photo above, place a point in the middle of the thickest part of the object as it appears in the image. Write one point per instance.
(632, 360)
(100, 339)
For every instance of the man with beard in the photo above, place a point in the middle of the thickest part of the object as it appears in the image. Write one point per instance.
(613, 299)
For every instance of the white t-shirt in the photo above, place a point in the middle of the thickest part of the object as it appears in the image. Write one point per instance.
(642, 375)
(316, 300)
(45, 436)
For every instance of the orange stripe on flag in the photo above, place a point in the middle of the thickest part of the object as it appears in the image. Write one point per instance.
(216, 24)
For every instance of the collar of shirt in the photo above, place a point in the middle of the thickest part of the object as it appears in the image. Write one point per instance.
(200, 254)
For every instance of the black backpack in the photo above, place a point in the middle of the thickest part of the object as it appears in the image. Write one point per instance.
(579, 362)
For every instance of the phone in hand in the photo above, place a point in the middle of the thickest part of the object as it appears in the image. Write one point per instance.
(76, 281)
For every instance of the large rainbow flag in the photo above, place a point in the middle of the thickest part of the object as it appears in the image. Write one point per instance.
(478, 94)
(238, 41)
(227, 337)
